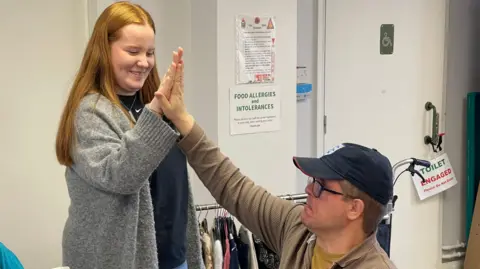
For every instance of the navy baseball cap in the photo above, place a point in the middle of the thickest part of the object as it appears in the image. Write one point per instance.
(365, 168)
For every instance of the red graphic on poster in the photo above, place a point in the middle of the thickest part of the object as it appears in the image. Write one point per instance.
(270, 24)
(257, 20)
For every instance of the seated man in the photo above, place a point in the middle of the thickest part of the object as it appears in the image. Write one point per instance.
(348, 190)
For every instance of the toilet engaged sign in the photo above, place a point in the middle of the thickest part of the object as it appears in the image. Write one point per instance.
(438, 177)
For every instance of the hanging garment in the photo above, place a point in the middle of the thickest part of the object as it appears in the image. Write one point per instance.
(218, 255)
(220, 230)
(234, 263)
(201, 230)
(247, 238)
(207, 254)
(217, 232)
(267, 259)
(232, 236)
(226, 258)
(8, 259)
(242, 249)
(243, 256)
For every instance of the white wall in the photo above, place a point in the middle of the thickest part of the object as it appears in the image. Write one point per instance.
(379, 101)
(266, 157)
(41, 49)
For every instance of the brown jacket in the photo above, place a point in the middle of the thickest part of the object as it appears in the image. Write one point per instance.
(274, 220)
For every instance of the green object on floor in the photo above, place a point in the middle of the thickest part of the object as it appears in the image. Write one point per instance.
(473, 156)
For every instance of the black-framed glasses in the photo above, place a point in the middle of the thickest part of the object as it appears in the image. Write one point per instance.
(318, 187)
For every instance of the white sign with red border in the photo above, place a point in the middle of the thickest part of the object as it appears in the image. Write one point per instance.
(438, 177)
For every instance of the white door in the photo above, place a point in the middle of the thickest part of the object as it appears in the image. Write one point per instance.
(378, 100)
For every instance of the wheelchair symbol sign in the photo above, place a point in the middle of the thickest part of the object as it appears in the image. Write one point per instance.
(386, 39)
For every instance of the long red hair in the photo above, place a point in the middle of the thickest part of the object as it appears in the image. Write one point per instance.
(96, 74)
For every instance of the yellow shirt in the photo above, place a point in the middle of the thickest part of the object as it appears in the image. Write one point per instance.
(322, 259)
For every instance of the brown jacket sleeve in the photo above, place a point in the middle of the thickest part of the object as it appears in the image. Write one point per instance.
(264, 214)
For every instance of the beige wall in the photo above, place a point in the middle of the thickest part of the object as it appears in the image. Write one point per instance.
(41, 44)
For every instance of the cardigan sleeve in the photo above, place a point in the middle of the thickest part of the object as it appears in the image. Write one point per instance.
(118, 163)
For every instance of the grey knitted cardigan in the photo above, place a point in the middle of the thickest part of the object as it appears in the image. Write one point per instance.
(110, 223)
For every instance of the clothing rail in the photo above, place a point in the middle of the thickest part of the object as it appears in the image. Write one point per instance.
(292, 197)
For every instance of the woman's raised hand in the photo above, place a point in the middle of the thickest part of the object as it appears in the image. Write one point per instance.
(174, 107)
(167, 82)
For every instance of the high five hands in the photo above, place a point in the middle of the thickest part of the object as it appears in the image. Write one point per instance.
(167, 81)
(169, 97)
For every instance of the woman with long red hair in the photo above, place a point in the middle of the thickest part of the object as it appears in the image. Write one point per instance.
(131, 202)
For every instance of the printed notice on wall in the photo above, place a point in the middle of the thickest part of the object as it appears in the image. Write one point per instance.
(254, 109)
(255, 49)
(438, 177)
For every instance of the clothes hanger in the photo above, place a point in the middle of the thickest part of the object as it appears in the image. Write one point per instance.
(199, 224)
(231, 228)
(216, 228)
(205, 222)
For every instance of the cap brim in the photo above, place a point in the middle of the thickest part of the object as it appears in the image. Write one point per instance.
(316, 168)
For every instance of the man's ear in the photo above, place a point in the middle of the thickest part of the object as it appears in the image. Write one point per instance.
(355, 209)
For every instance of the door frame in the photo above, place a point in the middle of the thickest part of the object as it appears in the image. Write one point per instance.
(320, 87)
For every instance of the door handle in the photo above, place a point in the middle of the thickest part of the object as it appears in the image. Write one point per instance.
(433, 139)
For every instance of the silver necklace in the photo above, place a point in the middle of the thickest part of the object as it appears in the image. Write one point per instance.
(130, 109)
(133, 103)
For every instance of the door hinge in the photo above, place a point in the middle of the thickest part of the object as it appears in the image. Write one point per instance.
(324, 124)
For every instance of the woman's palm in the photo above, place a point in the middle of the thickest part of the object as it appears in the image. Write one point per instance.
(174, 106)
